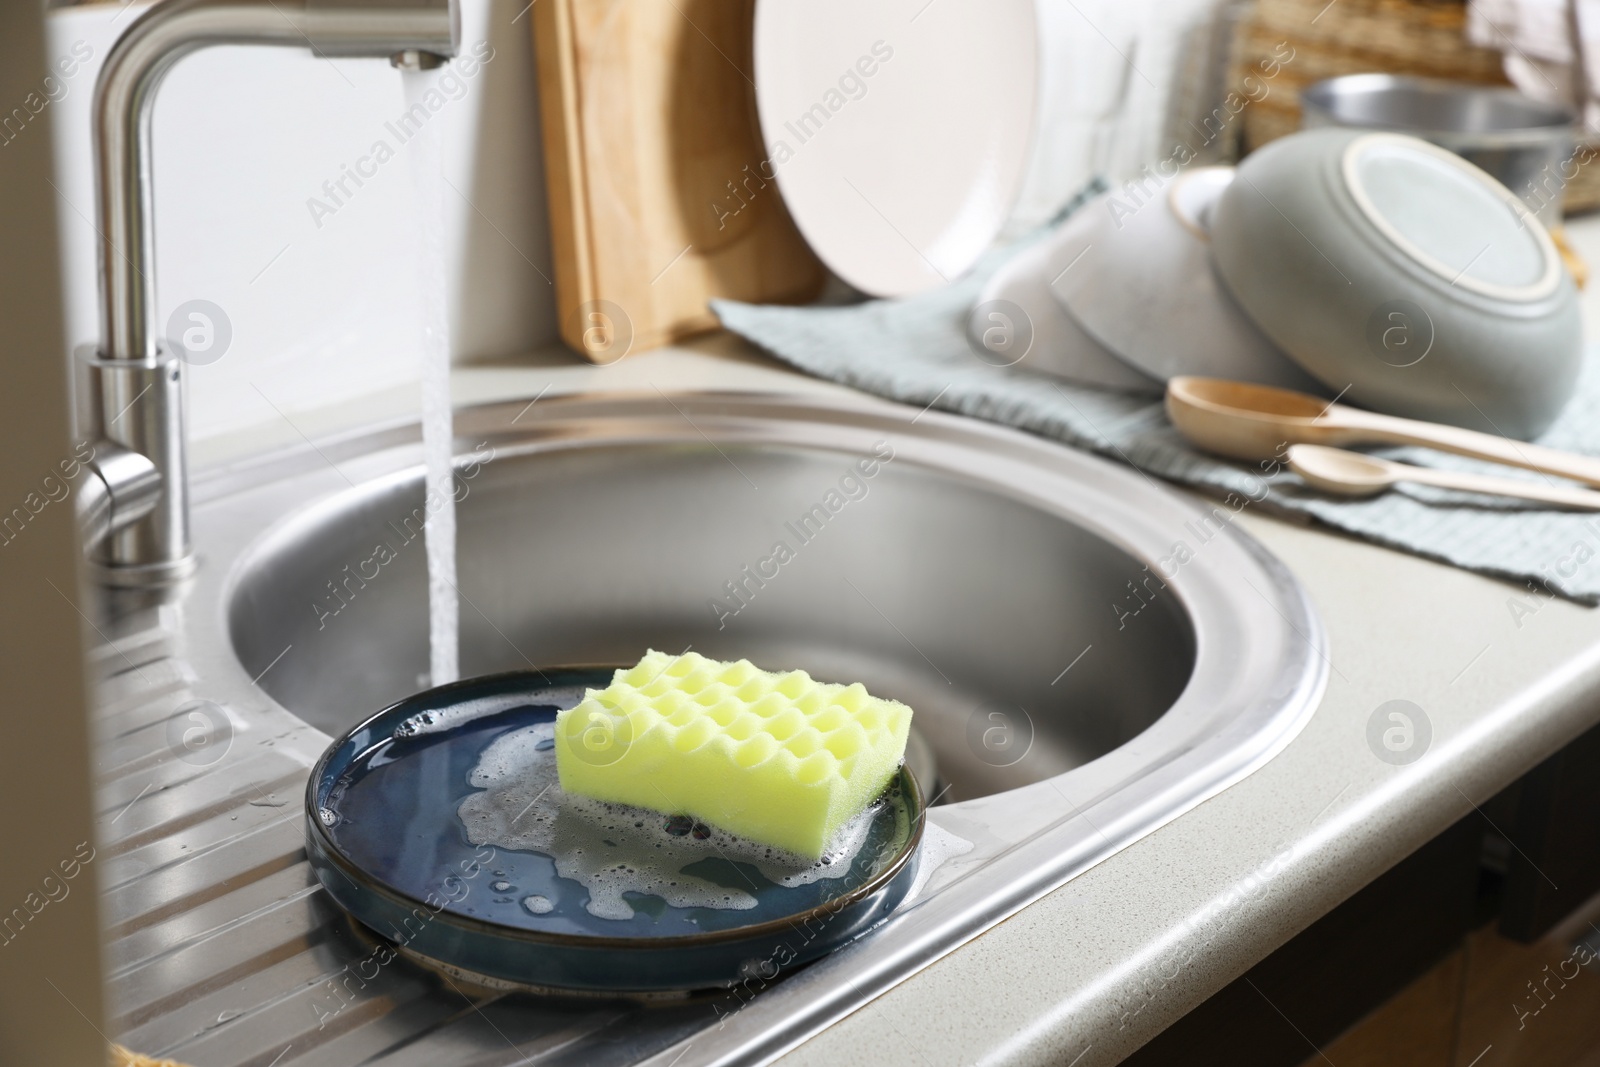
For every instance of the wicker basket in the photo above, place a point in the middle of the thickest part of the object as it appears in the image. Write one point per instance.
(1422, 37)
(1426, 37)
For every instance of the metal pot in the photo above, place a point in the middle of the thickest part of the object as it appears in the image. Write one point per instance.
(1526, 144)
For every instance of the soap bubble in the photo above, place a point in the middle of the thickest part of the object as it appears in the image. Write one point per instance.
(616, 851)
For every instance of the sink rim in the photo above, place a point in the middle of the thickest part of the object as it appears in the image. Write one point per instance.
(1122, 506)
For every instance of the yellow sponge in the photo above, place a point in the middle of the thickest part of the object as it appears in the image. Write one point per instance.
(777, 759)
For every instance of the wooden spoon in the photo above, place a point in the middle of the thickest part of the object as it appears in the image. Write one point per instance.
(1256, 422)
(1335, 470)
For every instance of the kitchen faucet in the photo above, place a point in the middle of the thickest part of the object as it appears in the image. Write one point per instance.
(136, 519)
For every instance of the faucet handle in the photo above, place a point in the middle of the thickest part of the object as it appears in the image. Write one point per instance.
(117, 488)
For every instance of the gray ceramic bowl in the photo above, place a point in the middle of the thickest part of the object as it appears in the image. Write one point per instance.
(1398, 271)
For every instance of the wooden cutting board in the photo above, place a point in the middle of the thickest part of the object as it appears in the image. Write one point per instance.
(661, 196)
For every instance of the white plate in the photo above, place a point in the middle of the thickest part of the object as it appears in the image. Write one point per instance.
(1046, 339)
(1135, 270)
(899, 130)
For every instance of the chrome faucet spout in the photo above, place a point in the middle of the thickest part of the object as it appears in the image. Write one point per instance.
(137, 395)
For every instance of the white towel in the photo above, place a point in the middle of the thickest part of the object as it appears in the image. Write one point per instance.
(1536, 38)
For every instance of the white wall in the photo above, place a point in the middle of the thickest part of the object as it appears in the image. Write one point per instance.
(322, 306)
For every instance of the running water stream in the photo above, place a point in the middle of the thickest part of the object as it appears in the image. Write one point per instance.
(427, 175)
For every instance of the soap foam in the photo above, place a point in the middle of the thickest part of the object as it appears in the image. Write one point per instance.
(613, 849)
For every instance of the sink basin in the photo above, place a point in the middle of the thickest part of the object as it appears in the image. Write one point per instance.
(935, 586)
(1074, 687)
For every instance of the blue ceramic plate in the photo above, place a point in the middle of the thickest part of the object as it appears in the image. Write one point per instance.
(439, 824)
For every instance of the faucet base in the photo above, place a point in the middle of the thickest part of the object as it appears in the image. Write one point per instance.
(137, 406)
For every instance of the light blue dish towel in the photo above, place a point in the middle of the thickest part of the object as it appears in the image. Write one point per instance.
(915, 350)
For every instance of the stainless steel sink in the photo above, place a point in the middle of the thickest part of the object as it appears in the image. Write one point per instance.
(1075, 687)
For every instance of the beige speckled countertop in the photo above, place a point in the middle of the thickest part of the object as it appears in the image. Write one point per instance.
(1090, 972)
